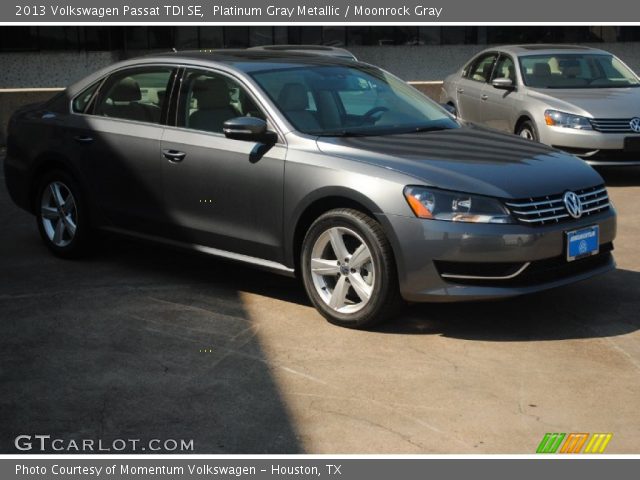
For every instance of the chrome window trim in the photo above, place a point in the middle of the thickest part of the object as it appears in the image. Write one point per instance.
(479, 277)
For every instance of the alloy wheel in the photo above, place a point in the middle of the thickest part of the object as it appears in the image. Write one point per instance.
(58, 214)
(342, 270)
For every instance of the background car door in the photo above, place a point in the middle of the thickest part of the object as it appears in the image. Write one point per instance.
(216, 194)
(499, 106)
(121, 147)
(470, 86)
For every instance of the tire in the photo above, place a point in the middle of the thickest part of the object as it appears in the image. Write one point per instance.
(528, 131)
(60, 207)
(359, 290)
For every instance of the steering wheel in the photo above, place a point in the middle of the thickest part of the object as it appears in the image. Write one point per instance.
(375, 110)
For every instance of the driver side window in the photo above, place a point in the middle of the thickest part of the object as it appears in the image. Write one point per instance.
(505, 68)
(207, 100)
(481, 70)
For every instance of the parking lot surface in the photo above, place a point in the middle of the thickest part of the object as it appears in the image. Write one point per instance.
(141, 342)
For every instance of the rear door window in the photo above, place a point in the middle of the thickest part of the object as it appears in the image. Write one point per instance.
(138, 95)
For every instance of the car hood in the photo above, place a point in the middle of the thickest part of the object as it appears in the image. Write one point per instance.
(594, 102)
(470, 159)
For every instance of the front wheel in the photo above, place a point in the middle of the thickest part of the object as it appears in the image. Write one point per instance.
(528, 131)
(348, 269)
(61, 215)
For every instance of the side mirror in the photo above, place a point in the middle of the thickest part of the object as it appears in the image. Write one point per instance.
(503, 83)
(450, 108)
(251, 129)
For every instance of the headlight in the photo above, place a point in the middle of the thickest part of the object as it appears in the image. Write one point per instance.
(560, 119)
(455, 207)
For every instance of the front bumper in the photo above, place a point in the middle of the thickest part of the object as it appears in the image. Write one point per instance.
(422, 247)
(596, 148)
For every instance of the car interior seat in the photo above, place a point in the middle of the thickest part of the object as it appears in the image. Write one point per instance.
(541, 75)
(123, 101)
(486, 71)
(294, 101)
(213, 105)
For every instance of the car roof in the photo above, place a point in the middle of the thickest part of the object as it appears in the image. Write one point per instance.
(249, 60)
(545, 49)
(241, 61)
(315, 49)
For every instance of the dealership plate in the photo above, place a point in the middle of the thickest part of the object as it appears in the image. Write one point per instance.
(583, 242)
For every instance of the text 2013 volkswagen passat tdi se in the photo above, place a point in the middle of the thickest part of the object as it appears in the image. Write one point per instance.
(328, 168)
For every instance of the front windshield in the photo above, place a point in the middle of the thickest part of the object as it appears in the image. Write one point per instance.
(337, 100)
(576, 70)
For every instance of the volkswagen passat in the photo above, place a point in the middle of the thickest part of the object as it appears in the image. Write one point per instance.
(328, 168)
(581, 100)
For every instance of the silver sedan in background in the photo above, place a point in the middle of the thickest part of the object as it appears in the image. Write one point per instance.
(581, 100)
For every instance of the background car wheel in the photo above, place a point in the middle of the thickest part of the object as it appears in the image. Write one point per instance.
(527, 130)
(61, 215)
(348, 269)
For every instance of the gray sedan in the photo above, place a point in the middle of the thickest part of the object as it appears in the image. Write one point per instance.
(581, 100)
(307, 165)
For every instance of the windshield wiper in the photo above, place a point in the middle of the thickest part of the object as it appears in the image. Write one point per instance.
(432, 128)
(345, 133)
(370, 133)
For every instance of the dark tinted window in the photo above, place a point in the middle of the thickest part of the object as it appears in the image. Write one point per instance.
(135, 95)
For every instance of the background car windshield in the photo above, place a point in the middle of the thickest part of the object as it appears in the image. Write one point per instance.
(576, 71)
(340, 100)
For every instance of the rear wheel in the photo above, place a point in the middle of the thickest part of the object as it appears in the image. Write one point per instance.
(61, 216)
(527, 130)
(348, 269)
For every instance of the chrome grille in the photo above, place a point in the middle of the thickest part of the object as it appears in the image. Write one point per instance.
(611, 125)
(551, 209)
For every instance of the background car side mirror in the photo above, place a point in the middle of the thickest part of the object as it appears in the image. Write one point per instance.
(251, 129)
(503, 83)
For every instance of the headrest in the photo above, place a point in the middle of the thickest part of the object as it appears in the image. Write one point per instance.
(541, 69)
(486, 70)
(126, 90)
(293, 97)
(570, 68)
(211, 93)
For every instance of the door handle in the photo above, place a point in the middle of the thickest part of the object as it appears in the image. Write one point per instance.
(174, 155)
(460, 90)
(83, 139)
(484, 97)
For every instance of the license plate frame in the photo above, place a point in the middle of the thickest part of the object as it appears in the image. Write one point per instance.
(582, 242)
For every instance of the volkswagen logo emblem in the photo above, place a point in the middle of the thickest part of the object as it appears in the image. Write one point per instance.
(573, 204)
(635, 124)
